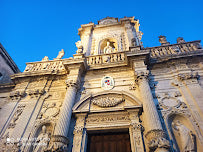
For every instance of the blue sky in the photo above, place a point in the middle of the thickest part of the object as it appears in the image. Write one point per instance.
(32, 29)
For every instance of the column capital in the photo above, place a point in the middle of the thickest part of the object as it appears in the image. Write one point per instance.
(157, 138)
(72, 83)
(139, 74)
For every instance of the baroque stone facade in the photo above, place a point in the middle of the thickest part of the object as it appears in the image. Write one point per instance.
(111, 84)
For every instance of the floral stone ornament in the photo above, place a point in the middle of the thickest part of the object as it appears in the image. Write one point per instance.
(107, 83)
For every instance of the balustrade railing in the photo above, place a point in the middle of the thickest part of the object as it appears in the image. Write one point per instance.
(47, 65)
(106, 58)
(175, 49)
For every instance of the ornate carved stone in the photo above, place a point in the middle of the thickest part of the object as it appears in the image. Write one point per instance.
(79, 46)
(109, 118)
(60, 54)
(157, 139)
(185, 76)
(186, 136)
(42, 141)
(35, 92)
(107, 83)
(58, 144)
(107, 101)
(141, 75)
(45, 58)
(49, 110)
(180, 40)
(137, 127)
(78, 130)
(17, 114)
(108, 20)
(163, 41)
(132, 86)
(15, 95)
(72, 83)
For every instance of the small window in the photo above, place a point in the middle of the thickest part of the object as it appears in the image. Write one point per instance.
(1, 75)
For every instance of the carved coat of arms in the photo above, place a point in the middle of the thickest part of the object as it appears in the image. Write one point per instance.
(107, 83)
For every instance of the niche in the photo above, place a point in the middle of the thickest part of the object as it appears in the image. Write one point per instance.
(108, 45)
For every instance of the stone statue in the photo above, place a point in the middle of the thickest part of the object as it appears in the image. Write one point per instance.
(79, 46)
(180, 40)
(61, 54)
(133, 42)
(41, 143)
(186, 136)
(163, 41)
(108, 48)
(45, 58)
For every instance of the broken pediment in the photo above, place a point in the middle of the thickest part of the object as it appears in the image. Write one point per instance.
(107, 101)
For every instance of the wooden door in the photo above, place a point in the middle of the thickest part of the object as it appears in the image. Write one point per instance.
(109, 142)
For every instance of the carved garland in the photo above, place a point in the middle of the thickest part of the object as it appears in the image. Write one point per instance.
(107, 101)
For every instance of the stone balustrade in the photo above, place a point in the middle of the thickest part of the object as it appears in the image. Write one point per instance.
(106, 58)
(44, 65)
(175, 49)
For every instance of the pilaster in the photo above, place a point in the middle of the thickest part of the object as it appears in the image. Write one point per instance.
(78, 133)
(136, 130)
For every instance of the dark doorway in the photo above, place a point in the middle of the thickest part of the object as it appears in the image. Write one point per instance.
(109, 142)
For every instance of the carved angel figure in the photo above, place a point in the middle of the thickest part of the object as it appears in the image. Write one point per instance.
(61, 54)
(42, 140)
(186, 136)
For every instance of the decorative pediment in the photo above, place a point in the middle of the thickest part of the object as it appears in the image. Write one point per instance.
(108, 20)
(107, 100)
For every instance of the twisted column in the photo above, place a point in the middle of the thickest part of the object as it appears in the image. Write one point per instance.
(59, 138)
(154, 133)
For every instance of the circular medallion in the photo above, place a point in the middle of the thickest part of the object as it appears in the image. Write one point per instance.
(107, 83)
(170, 102)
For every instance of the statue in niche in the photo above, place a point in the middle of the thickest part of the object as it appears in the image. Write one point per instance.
(186, 136)
(41, 143)
(108, 48)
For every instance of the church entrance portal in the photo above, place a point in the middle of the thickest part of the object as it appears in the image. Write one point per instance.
(109, 142)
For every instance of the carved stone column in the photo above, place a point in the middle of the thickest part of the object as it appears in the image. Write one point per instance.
(154, 133)
(59, 139)
(78, 133)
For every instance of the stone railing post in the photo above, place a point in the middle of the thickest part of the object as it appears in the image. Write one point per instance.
(154, 133)
(59, 138)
